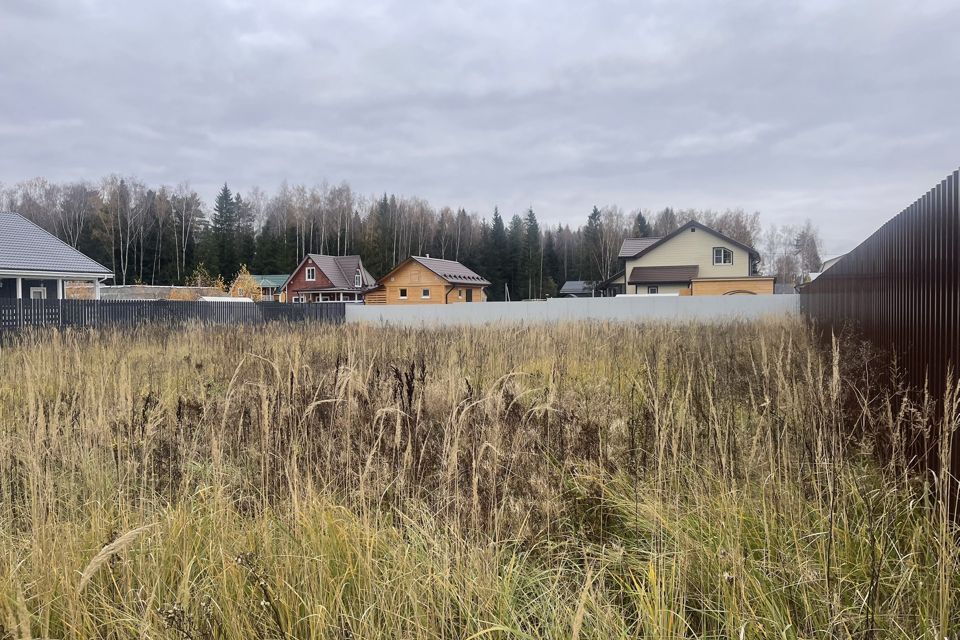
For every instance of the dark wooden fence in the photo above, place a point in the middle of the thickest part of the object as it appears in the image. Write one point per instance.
(16, 314)
(900, 289)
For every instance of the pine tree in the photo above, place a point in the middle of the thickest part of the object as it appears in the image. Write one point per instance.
(532, 261)
(641, 228)
(806, 245)
(592, 249)
(245, 241)
(516, 237)
(223, 256)
(552, 268)
(379, 245)
(497, 262)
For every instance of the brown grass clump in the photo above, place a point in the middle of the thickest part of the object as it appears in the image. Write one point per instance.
(582, 480)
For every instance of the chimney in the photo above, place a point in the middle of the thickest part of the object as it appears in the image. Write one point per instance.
(427, 256)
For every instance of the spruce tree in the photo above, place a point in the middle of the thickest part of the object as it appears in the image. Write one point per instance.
(641, 228)
(378, 247)
(222, 230)
(245, 241)
(498, 257)
(552, 269)
(516, 236)
(592, 248)
(532, 265)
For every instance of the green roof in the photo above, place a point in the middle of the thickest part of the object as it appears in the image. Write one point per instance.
(275, 281)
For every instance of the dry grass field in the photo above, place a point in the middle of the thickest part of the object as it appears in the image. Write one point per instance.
(579, 481)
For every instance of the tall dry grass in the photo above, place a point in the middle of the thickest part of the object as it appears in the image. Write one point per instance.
(584, 481)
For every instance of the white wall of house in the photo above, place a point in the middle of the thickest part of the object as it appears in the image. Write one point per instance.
(641, 289)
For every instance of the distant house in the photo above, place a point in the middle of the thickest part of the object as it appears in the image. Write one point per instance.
(270, 287)
(34, 263)
(612, 286)
(320, 278)
(693, 260)
(577, 289)
(829, 262)
(426, 280)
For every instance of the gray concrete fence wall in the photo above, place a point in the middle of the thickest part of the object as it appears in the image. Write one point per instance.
(641, 308)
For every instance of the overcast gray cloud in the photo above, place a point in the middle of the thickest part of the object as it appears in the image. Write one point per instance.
(843, 112)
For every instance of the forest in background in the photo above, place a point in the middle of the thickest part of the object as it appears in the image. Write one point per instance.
(168, 235)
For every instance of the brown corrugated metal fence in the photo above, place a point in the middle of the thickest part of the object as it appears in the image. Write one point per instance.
(901, 290)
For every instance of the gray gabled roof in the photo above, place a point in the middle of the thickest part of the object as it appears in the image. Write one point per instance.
(575, 287)
(452, 271)
(26, 247)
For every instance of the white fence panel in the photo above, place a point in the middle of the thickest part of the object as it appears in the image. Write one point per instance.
(633, 309)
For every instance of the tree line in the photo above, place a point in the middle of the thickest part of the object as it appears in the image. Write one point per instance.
(167, 235)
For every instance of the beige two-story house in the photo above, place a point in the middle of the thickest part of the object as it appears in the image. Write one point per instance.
(693, 260)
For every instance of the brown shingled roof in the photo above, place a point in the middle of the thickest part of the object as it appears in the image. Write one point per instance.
(339, 270)
(452, 271)
(654, 275)
(633, 246)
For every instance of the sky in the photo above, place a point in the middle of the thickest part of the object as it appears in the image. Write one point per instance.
(841, 112)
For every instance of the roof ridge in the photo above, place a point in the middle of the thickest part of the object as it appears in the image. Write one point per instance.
(437, 259)
(336, 261)
(660, 240)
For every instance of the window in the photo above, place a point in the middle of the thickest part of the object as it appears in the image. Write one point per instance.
(38, 293)
(459, 293)
(722, 255)
(357, 281)
(311, 274)
(653, 289)
(403, 294)
(425, 294)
